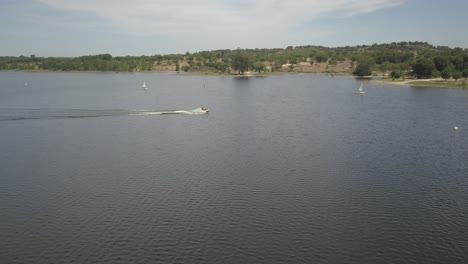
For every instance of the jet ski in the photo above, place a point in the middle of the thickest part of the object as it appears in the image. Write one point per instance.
(196, 111)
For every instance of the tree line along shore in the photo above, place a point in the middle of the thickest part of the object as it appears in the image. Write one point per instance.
(395, 61)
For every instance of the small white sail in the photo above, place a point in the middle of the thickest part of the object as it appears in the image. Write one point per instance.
(144, 85)
(361, 90)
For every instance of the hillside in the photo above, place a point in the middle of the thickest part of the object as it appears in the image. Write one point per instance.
(415, 59)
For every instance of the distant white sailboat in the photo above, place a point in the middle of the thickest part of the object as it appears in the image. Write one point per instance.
(144, 85)
(361, 90)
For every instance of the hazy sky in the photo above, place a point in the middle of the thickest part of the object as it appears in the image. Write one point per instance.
(147, 27)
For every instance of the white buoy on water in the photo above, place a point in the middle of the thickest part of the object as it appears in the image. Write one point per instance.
(455, 128)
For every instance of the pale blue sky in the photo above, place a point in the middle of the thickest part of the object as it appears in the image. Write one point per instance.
(147, 27)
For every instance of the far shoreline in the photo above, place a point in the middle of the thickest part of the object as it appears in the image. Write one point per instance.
(432, 82)
(190, 73)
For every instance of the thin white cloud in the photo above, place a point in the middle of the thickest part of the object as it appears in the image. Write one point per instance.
(155, 17)
(217, 23)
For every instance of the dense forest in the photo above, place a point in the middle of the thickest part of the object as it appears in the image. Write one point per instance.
(397, 60)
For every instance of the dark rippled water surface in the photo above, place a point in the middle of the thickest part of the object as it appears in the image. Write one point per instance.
(284, 169)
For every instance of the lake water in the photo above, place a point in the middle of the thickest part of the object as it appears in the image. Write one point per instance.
(284, 169)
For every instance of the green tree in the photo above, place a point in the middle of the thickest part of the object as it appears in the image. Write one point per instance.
(312, 55)
(423, 68)
(445, 74)
(385, 66)
(456, 75)
(364, 66)
(240, 62)
(321, 57)
(222, 67)
(465, 73)
(395, 75)
(441, 62)
(106, 57)
(458, 62)
(177, 67)
(258, 66)
(33, 57)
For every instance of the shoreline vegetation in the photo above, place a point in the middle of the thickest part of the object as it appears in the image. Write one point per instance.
(433, 82)
(402, 63)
